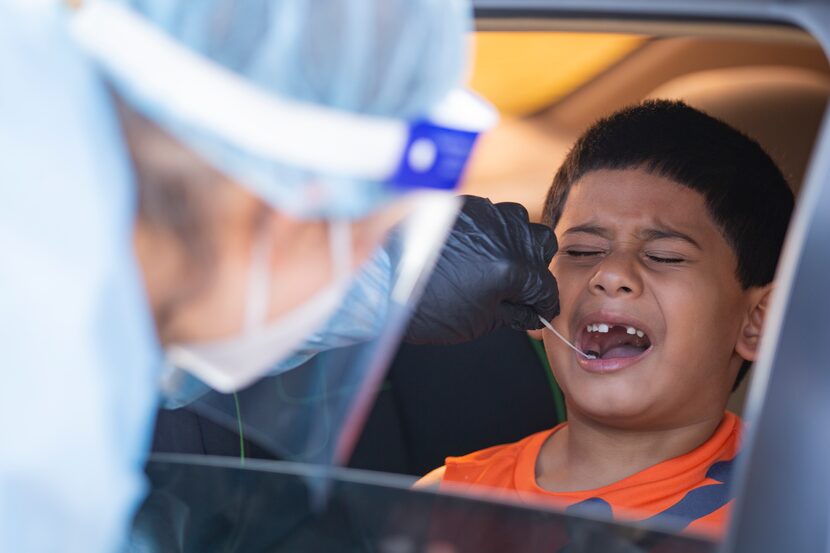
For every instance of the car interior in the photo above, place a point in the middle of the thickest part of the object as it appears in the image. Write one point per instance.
(438, 401)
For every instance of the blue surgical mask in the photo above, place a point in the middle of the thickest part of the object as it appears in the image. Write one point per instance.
(358, 319)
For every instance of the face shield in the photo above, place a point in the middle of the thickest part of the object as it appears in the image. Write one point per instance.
(310, 406)
(301, 383)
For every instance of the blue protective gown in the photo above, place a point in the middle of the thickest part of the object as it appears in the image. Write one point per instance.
(78, 354)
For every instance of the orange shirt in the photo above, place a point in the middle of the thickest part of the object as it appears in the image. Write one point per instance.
(691, 490)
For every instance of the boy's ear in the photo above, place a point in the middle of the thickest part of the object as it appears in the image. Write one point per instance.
(749, 339)
(536, 334)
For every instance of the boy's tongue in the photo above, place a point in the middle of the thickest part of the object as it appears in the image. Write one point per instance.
(615, 344)
(622, 351)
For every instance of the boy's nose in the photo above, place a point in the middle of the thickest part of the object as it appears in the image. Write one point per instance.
(616, 276)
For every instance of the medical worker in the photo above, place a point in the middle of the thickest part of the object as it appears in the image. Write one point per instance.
(175, 187)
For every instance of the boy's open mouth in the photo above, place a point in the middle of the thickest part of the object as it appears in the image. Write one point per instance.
(606, 340)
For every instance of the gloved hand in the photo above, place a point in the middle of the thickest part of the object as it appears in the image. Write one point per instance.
(493, 272)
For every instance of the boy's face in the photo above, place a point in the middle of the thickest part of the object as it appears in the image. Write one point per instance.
(647, 283)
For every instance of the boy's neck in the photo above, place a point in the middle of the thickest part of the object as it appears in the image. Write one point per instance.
(586, 455)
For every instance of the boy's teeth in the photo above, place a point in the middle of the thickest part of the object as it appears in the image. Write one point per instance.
(603, 328)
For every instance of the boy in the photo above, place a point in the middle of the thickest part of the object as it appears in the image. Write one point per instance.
(670, 224)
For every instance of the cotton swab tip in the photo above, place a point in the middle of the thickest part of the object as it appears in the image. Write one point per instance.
(567, 343)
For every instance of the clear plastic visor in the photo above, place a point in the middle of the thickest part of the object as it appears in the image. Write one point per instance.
(311, 403)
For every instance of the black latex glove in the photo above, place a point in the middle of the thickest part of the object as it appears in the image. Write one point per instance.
(493, 272)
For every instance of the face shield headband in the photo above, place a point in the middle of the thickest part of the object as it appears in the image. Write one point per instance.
(157, 70)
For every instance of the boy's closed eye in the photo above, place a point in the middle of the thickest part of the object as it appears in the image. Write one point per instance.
(661, 245)
(592, 253)
(665, 257)
(583, 253)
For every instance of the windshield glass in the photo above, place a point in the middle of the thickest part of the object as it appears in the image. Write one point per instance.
(204, 504)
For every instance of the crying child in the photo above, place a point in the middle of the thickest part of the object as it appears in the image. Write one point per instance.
(669, 223)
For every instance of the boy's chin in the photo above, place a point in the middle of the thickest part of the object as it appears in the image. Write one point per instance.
(622, 416)
(618, 406)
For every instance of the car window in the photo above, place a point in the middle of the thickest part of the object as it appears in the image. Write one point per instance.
(266, 506)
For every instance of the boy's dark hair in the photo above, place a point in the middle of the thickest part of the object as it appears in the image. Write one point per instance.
(745, 192)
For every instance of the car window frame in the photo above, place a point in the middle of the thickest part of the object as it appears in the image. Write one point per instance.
(785, 454)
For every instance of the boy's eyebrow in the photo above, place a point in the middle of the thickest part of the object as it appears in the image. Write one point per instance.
(589, 229)
(658, 234)
(646, 235)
